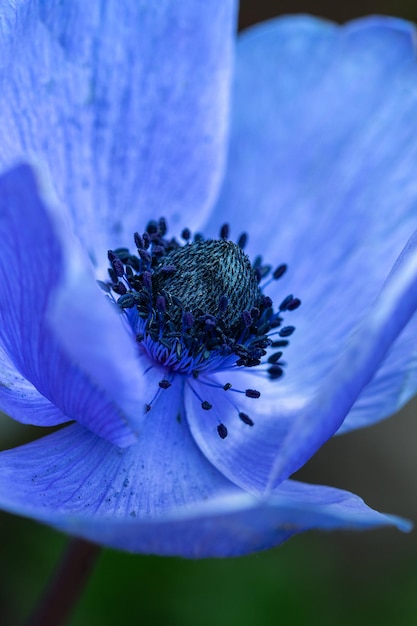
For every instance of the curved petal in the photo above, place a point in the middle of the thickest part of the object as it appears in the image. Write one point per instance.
(355, 369)
(21, 401)
(90, 369)
(171, 503)
(124, 104)
(321, 174)
(287, 430)
(248, 452)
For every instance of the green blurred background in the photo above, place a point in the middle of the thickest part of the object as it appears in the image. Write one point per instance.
(315, 579)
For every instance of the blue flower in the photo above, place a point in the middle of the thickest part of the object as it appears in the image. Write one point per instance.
(117, 115)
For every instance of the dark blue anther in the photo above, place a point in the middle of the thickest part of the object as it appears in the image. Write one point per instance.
(162, 226)
(294, 304)
(274, 357)
(206, 405)
(126, 301)
(161, 304)
(152, 227)
(243, 240)
(224, 231)
(120, 289)
(116, 264)
(158, 251)
(146, 240)
(138, 240)
(283, 343)
(164, 384)
(279, 271)
(187, 319)
(147, 280)
(252, 393)
(222, 431)
(264, 270)
(246, 419)
(275, 372)
(284, 304)
(286, 331)
(247, 318)
(104, 286)
(186, 234)
(145, 256)
(227, 386)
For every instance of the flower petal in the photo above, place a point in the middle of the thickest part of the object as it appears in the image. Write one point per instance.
(124, 104)
(355, 369)
(21, 401)
(321, 174)
(161, 496)
(98, 380)
(287, 430)
(247, 453)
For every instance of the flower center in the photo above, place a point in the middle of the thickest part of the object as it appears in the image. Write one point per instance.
(213, 278)
(199, 307)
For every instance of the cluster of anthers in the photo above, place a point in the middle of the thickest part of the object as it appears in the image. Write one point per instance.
(198, 307)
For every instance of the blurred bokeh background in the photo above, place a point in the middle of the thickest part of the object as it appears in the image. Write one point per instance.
(315, 579)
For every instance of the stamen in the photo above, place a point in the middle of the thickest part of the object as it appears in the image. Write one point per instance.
(252, 393)
(138, 240)
(282, 343)
(224, 231)
(275, 372)
(279, 271)
(198, 307)
(242, 241)
(286, 331)
(284, 304)
(246, 419)
(222, 430)
(274, 357)
(162, 226)
(294, 304)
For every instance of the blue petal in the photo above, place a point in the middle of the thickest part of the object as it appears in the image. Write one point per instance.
(161, 495)
(288, 429)
(92, 374)
(21, 401)
(124, 104)
(321, 174)
(356, 367)
(247, 453)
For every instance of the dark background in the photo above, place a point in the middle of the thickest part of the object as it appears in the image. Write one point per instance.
(315, 579)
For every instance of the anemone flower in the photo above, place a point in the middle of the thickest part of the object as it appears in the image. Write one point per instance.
(148, 157)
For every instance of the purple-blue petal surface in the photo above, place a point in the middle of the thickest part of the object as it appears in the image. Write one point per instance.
(98, 384)
(287, 429)
(321, 174)
(22, 401)
(172, 502)
(125, 105)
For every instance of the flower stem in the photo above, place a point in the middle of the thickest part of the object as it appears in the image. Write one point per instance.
(66, 584)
